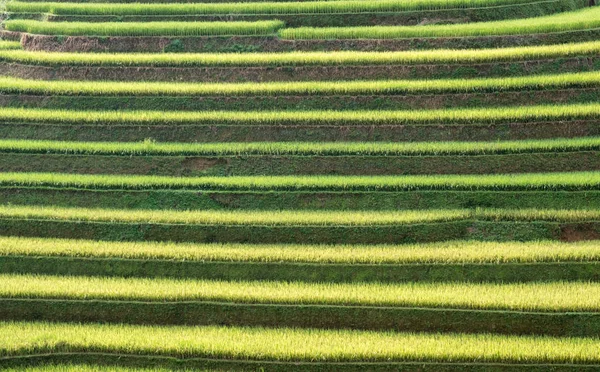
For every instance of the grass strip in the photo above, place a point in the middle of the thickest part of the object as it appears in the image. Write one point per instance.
(10, 85)
(315, 316)
(20, 338)
(234, 8)
(285, 200)
(446, 116)
(455, 261)
(81, 367)
(176, 1)
(188, 1)
(294, 218)
(269, 218)
(152, 148)
(399, 233)
(584, 19)
(568, 181)
(144, 28)
(544, 297)
(453, 252)
(72, 367)
(280, 165)
(9, 45)
(334, 58)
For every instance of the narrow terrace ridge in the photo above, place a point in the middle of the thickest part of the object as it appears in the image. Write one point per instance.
(239, 28)
(270, 36)
(404, 117)
(294, 14)
(333, 58)
(9, 85)
(454, 261)
(567, 181)
(309, 149)
(293, 218)
(583, 19)
(300, 226)
(297, 304)
(261, 8)
(568, 21)
(258, 344)
(451, 252)
(535, 297)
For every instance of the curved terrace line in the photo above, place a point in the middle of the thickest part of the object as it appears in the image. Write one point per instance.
(150, 148)
(333, 58)
(451, 252)
(583, 19)
(591, 79)
(260, 8)
(294, 344)
(446, 116)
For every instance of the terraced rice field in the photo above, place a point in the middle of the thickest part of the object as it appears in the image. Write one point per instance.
(307, 185)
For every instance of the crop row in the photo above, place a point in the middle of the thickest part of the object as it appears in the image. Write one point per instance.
(9, 85)
(554, 296)
(304, 7)
(446, 116)
(176, 1)
(150, 148)
(203, 1)
(453, 252)
(334, 58)
(281, 218)
(299, 315)
(569, 21)
(145, 28)
(303, 130)
(18, 338)
(588, 18)
(568, 181)
(78, 367)
(294, 218)
(305, 227)
(280, 165)
(454, 261)
(9, 45)
(278, 200)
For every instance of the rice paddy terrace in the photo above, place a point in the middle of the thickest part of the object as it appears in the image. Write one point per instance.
(314, 185)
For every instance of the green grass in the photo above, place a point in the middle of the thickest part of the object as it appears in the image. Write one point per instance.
(446, 116)
(233, 8)
(144, 28)
(82, 368)
(10, 85)
(561, 181)
(18, 338)
(449, 261)
(207, 1)
(248, 218)
(152, 148)
(176, 1)
(334, 58)
(584, 19)
(452, 252)
(293, 218)
(553, 297)
(9, 45)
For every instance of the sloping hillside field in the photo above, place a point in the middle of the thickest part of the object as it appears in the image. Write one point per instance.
(309, 185)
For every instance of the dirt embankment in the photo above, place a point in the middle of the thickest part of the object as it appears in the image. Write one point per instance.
(274, 44)
(9, 35)
(303, 102)
(333, 133)
(292, 73)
